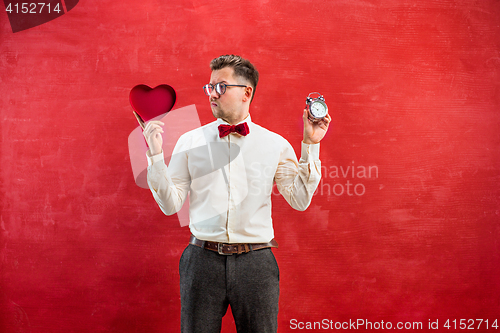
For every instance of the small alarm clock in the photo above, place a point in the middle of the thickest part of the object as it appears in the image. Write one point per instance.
(316, 106)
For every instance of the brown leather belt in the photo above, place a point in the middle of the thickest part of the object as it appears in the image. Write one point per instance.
(231, 248)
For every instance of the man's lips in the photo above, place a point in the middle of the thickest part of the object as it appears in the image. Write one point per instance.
(213, 104)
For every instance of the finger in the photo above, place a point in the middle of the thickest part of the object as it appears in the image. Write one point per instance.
(305, 116)
(151, 132)
(152, 126)
(153, 123)
(326, 120)
(155, 132)
(156, 122)
(147, 127)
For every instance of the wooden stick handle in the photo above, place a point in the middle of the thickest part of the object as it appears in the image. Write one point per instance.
(139, 120)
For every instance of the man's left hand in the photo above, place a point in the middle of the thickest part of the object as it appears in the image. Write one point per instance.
(314, 131)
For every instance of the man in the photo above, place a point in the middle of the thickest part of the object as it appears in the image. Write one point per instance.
(229, 259)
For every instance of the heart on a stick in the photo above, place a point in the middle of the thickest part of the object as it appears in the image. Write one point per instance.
(151, 102)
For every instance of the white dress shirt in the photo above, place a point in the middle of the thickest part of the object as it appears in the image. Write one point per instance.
(230, 181)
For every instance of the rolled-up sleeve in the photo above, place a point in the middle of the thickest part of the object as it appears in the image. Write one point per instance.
(169, 185)
(297, 181)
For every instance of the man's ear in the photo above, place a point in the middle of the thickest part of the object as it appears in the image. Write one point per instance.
(248, 94)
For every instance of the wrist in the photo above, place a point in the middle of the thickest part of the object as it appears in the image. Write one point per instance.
(154, 152)
(309, 141)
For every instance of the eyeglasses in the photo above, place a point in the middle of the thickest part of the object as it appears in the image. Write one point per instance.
(220, 88)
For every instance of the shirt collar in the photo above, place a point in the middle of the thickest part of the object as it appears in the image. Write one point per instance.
(248, 120)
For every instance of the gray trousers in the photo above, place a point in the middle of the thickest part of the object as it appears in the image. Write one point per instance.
(248, 282)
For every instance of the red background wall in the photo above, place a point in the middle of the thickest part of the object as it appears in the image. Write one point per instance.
(413, 88)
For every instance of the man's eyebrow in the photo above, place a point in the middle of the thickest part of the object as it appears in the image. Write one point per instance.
(223, 81)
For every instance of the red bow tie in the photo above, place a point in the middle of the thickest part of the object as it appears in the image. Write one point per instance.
(241, 129)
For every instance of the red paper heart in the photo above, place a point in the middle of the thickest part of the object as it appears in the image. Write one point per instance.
(151, 102)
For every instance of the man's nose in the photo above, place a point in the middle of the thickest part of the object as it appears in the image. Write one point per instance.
(214, 94)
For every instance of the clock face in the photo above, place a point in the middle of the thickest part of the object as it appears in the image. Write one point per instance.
(318, 109)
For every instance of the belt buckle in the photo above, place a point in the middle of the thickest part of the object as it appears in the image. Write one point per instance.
(219, 249)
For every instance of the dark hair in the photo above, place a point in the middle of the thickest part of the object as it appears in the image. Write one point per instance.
(242, 68)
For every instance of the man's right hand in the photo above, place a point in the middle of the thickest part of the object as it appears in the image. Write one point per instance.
(152, 134)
